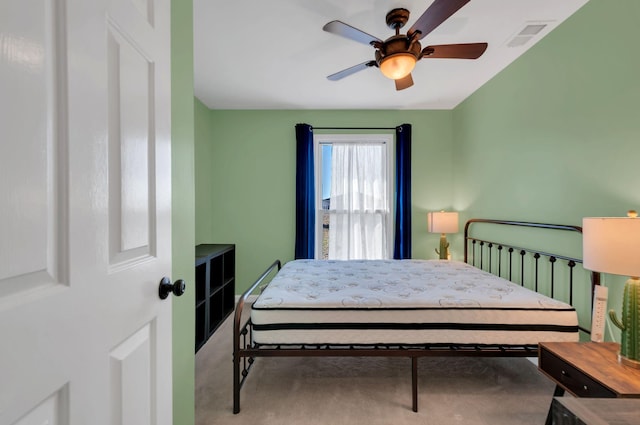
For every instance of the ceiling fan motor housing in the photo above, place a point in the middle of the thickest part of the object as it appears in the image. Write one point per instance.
(398, 44)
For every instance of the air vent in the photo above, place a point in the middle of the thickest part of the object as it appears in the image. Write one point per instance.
(532, 29)
(525, 35)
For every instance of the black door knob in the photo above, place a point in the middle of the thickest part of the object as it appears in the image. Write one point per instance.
(166, 287)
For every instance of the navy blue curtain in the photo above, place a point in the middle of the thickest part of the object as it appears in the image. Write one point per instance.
(402, 243)
(305, 193)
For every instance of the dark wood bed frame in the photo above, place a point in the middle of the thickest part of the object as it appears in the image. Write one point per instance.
(483, 254)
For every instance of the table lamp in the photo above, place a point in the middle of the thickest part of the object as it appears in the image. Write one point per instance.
(443, 222)
(612, 245)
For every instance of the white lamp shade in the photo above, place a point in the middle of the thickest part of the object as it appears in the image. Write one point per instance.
(442, 222)
(611, 245)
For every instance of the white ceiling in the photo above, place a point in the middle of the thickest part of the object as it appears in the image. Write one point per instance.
(273, 54)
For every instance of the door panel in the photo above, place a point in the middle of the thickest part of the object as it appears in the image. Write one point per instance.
(52, 411)
(32, 194)
(131, 364)
(130, 149)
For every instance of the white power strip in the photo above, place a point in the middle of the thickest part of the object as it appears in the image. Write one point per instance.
(600, 295)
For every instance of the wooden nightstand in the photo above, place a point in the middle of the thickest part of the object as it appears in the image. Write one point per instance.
(587, 369)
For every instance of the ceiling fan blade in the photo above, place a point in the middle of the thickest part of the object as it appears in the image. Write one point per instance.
(455, 51)
(352, 33)
(437, 13)
(404, 83)
(346, 72)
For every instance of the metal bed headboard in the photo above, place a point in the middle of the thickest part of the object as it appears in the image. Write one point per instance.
(475, 251)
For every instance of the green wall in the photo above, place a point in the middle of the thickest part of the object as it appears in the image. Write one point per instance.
(556, 136)
(245, 177)
(183, 210)
(204, 165)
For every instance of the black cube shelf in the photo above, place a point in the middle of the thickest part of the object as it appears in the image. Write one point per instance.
(215, 288)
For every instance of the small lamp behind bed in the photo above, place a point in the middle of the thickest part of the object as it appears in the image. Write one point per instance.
(443, 222)
(612, 245)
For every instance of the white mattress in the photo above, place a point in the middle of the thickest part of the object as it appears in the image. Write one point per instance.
(404, 302)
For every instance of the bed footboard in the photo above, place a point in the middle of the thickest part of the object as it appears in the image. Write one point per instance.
(242, 336)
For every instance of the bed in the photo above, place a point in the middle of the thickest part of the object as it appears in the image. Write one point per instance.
(411, 308)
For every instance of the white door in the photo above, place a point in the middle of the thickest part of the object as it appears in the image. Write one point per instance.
(84, 212)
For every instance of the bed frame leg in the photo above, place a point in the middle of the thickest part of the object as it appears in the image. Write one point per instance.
(236, 383)
(414, 382)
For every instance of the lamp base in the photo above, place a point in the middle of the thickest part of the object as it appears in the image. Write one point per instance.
(444, 247)
(628, 362)
(629, 353)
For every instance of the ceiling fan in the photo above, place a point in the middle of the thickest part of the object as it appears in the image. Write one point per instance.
(397, 55)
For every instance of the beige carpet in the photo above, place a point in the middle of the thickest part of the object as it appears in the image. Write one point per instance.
(474, 391)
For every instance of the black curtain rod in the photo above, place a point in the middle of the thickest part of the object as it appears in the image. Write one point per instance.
(354, 128)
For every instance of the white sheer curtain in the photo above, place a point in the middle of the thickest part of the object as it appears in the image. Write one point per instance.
(359, 202)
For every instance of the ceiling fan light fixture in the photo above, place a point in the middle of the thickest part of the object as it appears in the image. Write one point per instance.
(398, 65)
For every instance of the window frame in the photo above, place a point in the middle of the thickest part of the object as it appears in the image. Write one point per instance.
(322, 139)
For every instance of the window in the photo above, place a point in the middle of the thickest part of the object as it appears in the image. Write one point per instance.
(354, 196)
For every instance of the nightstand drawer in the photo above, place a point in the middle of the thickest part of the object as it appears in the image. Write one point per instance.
(571, 378)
